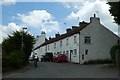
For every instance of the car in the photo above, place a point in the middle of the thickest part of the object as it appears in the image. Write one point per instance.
(54, 59)
(60, 58)
(48, 57)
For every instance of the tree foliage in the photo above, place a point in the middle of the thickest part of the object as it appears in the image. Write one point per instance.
(11, 48)
(114, 52)
(115, 11)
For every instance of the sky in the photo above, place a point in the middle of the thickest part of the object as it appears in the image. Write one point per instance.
(51, 16)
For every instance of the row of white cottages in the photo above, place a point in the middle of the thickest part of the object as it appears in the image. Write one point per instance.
(88, 41)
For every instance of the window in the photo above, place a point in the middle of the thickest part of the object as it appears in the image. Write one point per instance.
(57, 52)
(60, 43)
(48, 47)
(54, 45)
(67, 41)
(54, 54)
(86, 52)
(75, 40)
(87, 40)
(75, 51)
(66, 53)
(71, 51)
(41, 49)
(82, 57)
(63, 52)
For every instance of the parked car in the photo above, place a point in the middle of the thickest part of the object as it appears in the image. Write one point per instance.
(60, 58)
(47, 57)
(55, 59)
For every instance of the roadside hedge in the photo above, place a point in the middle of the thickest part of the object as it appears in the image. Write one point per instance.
(14, 60)
(114, 52)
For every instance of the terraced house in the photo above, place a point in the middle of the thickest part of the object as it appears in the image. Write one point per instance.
(88, 41)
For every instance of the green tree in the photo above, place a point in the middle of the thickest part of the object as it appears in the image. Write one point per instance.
(115, 11)
(11, 47)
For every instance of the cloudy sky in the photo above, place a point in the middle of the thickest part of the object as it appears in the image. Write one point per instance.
(51, 16)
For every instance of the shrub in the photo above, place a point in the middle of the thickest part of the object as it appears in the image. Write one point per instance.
(5, 62)
(113, 52)
(15, 59)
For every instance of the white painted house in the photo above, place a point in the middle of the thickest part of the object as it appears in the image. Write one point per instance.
(88, 41)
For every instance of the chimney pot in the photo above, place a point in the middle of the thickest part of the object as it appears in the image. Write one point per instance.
(94, 15)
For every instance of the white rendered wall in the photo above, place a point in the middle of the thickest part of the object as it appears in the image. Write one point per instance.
(101, 41)
(71, 46)
(40, 40)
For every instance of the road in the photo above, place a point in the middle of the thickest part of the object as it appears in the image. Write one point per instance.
(66, 70)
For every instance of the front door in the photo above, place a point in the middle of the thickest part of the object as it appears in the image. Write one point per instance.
(71, 52)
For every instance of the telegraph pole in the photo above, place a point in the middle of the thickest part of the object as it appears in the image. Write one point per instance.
(22, 44)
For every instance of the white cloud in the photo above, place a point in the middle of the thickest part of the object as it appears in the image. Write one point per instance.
(113, 0)
(7, 30)
(50, 0)
(7, 2)
(87, 9)
(40, 19)
(35, 21)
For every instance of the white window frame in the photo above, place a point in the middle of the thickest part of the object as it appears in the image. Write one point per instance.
(87, 40)
(75, 39)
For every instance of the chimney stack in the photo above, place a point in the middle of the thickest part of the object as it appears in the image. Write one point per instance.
(95, 19)
(74, 27)
(82, 23)
(68, 30)
(43, 32)
(50, 38)
(56, 35)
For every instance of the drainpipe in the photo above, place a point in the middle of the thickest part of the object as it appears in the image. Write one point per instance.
(79, 47)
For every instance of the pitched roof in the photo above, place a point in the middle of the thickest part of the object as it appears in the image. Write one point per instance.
(74, 30)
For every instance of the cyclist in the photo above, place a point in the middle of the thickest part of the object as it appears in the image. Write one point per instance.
(35, 59)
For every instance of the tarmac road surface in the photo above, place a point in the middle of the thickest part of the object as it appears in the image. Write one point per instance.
(66, 70)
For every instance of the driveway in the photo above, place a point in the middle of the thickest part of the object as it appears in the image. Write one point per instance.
(66, 70)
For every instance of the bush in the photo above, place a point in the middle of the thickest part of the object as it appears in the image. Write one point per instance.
(15, 59)
(98, 61)
(113, 52)
(5, 62)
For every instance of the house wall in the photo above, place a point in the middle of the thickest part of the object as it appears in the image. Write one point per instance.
(101, 41)
(40, 40)
(64, 48)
